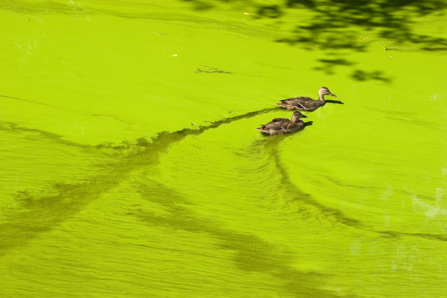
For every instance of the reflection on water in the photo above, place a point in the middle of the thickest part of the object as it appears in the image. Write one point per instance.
(132, 169)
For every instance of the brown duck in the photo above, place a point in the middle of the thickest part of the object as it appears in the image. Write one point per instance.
(279, 126)
(306, 103)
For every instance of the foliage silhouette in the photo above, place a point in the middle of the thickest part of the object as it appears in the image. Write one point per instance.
(335, 25)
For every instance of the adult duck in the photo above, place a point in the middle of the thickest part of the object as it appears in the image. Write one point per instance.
(279, 126)
(306, 103)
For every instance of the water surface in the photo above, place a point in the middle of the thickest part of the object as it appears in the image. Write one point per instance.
(131, 167)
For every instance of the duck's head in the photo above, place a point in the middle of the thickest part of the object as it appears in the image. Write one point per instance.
(297, 115)
(325, 91)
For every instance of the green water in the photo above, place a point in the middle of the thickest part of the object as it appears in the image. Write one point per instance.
(130, 165)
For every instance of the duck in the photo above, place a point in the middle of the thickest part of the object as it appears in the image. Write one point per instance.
(279, 126)
(307, 104)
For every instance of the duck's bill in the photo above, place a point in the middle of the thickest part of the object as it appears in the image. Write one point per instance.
(304, 116)
(333, 95)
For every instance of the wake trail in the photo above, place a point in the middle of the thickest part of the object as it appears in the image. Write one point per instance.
(39, 213)
(329, 214)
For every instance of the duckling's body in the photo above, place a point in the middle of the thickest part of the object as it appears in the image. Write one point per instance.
(279, 126)
(307, 104)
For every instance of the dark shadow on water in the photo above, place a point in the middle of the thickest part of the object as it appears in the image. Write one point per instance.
(334, 101)
(270, 11)
(360, 75)
(308, 123)
(329, 65)
(337, 26)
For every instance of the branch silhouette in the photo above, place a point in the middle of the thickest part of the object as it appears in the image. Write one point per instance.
(335, 26)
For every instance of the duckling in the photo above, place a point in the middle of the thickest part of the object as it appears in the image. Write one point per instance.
(279, 126)
(306, 103)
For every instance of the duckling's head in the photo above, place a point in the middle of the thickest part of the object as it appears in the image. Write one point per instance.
(325, 91)
(297, 115)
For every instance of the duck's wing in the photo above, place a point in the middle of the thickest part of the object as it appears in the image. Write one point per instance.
(277, 123)
(272, 125)
(296, 100)
(280, 120)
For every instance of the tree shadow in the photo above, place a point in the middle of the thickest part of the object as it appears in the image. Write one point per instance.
(329, 65)
(335, 25)
(361, 75)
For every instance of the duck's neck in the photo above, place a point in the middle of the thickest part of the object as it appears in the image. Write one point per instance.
(321, 95)
(295, 119)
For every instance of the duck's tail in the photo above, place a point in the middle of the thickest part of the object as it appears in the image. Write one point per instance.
(263, 130)
(285, 106)
(270, 132)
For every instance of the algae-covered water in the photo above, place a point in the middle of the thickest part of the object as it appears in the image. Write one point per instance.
(130, 165)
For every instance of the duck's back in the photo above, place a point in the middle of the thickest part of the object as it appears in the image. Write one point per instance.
(276, 123)
(297, 100)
